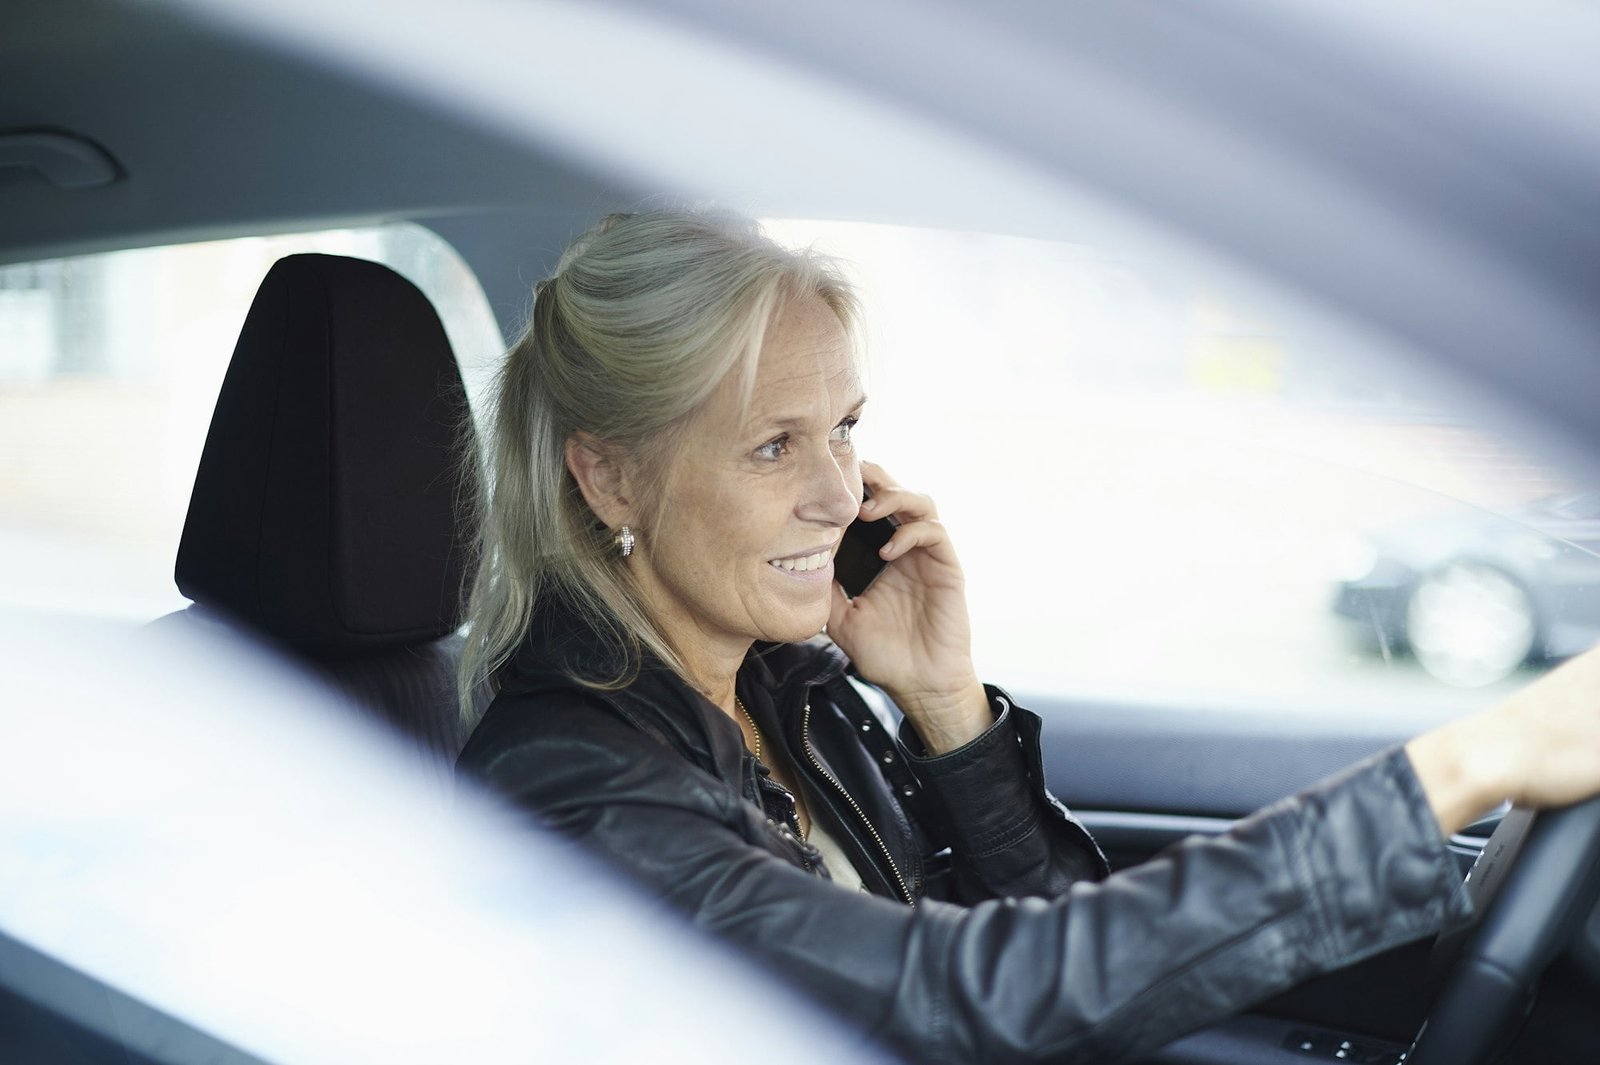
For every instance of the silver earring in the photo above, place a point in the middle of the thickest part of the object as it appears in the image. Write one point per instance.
(624, 541)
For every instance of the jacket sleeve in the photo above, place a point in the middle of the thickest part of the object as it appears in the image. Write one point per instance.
(1008, 836)
(1107, 971)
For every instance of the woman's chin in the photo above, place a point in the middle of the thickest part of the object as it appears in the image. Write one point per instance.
(795, 630)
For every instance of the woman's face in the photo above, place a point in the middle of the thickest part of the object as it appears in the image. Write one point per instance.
(758, 498)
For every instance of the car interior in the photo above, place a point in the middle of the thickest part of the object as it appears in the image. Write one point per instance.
(328, 508)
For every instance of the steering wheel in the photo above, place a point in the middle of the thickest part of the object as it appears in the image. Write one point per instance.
(1535, 884)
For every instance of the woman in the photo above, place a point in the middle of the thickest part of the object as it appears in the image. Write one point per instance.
(672, 472)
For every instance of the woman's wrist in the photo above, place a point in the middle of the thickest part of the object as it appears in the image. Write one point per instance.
(1463, 771)
(947, 718)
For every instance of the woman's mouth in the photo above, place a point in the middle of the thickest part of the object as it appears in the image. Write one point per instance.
(814, 566)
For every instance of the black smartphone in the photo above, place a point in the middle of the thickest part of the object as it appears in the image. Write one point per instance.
(857, 563)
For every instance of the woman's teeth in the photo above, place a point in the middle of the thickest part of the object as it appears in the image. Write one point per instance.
(805, 562)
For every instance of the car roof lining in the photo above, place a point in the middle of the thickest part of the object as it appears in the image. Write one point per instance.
(255, 131)
(1462, 267)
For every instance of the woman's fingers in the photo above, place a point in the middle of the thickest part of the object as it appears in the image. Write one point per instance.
(918, 518)
(889, 498)
(838, 606)
(903, 504)
(875, 476)
(928, 533)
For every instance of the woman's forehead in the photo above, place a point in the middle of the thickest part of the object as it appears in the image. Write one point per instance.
(819, 372)
(804, 386)
(806, 347)
(806, 371)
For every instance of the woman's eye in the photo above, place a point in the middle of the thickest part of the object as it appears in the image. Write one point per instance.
(841, 432)
(773, 449)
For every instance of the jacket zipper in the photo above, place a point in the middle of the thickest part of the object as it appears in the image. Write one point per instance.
(805, 740)
(789, 827)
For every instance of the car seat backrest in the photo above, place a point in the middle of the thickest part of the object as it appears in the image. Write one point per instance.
(325, 509)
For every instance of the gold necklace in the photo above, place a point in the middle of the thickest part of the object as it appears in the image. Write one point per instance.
(754, 731)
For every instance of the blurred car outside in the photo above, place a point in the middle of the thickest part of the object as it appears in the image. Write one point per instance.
(1474, 595)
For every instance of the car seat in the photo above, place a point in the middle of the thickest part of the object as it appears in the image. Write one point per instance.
(325, 511)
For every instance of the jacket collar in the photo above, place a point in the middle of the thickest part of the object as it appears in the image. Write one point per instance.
(563, 649)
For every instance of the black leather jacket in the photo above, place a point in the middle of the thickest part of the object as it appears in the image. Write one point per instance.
(991, 932)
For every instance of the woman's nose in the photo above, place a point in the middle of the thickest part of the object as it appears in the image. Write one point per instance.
(833, 491)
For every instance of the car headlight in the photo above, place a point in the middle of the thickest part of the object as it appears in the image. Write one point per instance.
(1354, 559)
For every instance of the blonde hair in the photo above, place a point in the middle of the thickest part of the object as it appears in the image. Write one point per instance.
(645, 316)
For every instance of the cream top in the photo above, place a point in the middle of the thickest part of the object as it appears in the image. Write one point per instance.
(839, 866)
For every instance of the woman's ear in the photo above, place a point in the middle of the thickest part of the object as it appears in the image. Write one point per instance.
(597, 467)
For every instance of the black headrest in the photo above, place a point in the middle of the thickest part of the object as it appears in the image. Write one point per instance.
(324, 511)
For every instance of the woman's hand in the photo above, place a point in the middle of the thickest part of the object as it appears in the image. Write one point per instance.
(1539, 747)
(909, 632)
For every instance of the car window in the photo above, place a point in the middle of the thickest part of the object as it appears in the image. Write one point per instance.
(109, 367)
(1158, 489)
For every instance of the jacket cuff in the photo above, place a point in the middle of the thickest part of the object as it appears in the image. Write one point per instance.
(984, 745)
(1375, 816)
(1001, 823)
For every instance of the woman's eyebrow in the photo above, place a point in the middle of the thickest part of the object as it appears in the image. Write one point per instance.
(800, 421)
